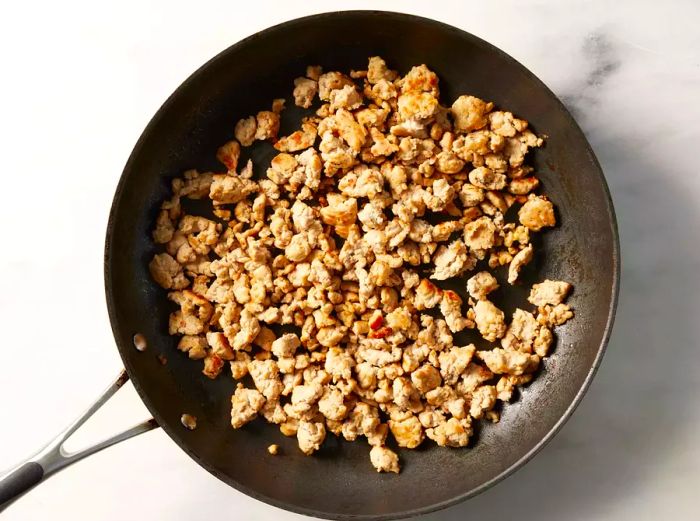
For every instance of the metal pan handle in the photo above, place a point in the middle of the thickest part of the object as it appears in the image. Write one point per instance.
(54, 457)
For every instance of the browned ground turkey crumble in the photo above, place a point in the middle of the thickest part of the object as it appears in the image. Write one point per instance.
(381, 190)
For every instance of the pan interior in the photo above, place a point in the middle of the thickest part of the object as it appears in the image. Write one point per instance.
(339, 481)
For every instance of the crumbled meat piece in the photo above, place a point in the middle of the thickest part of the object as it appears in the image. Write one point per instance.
(521, 333)
(230, 189)
(417, 105)
(167, 272)
(268, 125)
(378, 354)
(449, 163)
(426, 378)
(193, 316)
(273, 449)
(382, 146)
(371, 216)
(454, 361)
(245, 405)
(470, 113)
(443, 230)
(264, 338)
(482, 400)
(471, 195)
(285, 345)
(305, 396)
(428, 295)
(289, 427)
(516, 363)
(378, 71)
(194, 345)
(340, 213)
(407, 431)
(554, 315)
(523, 186)
(332, 405)
(239, 366)
(410, 128)
(537, 213)
(346, 97)
(420, 231)
(298, 140)
(194, 185)
(339, 364)
(430, 417)
(249, 329)
(314, 72)
(480, 234)
(310, 435)
(188, 421)
(212, 366)
(451, 260)
(522, 258)
(420, 79)
(505, 124)
(229, 154)
(273, 412)
(298, 248)
(451, 309)
(331, 81)
(362, 182)
(219, 345)
(452, 433)
(550, 292)
(164, 229)
(305, 90)
(278, 105)
(265, 376)
(405, 394)
(506, 385)
(384, 460)
(543, 341)
(474, 375)
(481, 284)
(331, 335)
(245, 131)
(483, 177)
(490, 320)
(366, 375)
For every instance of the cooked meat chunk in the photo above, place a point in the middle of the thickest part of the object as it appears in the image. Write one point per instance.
(550, 292)
(481, 284)
(245, 405)
(384, 460)
(537, 213)
(489, 320)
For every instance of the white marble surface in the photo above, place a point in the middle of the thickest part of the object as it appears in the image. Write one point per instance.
(80, 81)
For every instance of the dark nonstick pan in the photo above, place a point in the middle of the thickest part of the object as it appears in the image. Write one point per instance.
(339, 482)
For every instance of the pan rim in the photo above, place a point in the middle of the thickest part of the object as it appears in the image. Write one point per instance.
(615, 289)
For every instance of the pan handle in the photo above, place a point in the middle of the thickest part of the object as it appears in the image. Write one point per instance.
(54, 457)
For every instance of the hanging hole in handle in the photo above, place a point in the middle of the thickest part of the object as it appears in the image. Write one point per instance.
(140, 342)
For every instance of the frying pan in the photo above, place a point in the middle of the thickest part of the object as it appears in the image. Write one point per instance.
(339, 482)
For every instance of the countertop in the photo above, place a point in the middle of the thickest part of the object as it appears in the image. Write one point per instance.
(83, 78)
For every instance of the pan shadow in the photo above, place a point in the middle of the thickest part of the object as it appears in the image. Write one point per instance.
(632, 414)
